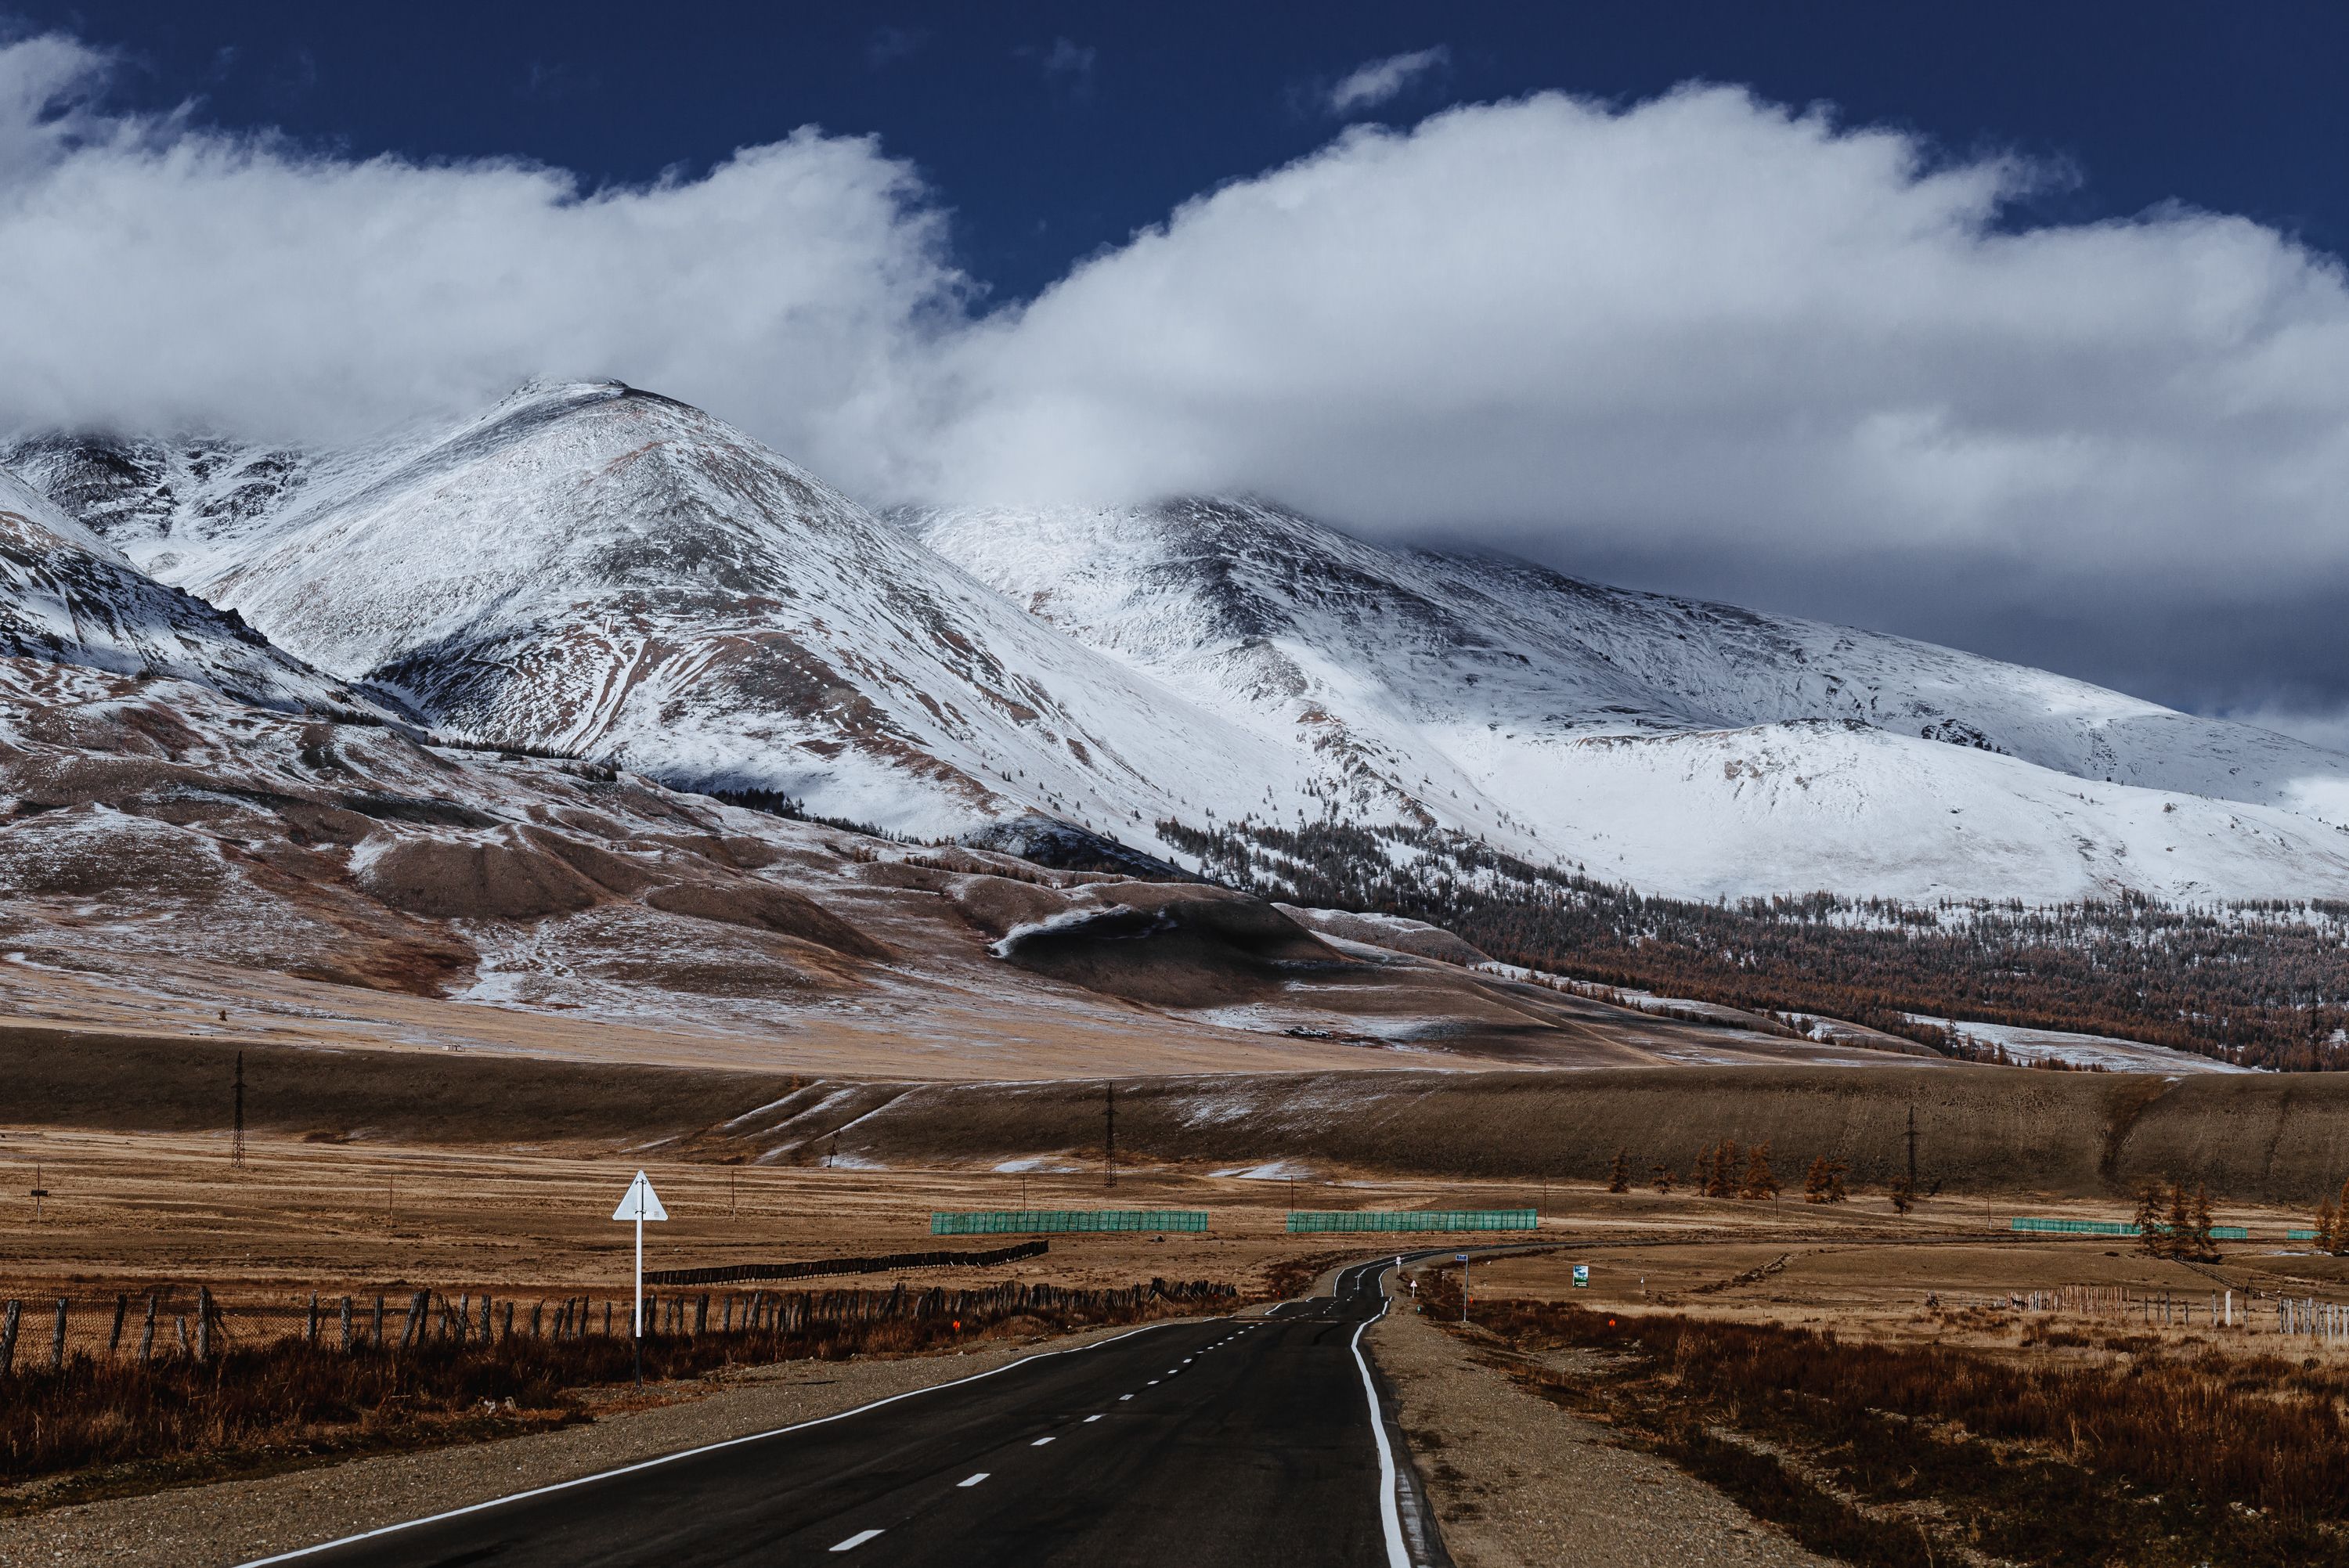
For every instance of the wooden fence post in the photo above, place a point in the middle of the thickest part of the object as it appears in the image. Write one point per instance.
(485, 1318)
(607, 1320)
(121, 1310)
(505, 1328)
(378, 1322)
(57, 1340)
(346, 1325)
(203, 1322)
(8, 1335)
(310, 1330)
(146, 1334)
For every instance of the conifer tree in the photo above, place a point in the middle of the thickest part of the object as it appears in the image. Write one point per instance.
(2328, 1227)
(1836, 1194)
(2152, 1240)
(1815, 1184)
(1662, 1175)
(1903, 1199)
(2199, 1220)
(2180, 1222)
(2341, 1223)
(1759, 1182)
(1619, 1180)
(1723, 1183)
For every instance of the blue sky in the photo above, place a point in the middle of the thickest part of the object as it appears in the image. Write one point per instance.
(2018, 327)
(1053, 131)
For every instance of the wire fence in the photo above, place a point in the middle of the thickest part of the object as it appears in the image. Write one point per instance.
(190, 1323)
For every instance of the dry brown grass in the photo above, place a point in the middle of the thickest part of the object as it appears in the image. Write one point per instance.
(1871, 1450)
(125, 1423)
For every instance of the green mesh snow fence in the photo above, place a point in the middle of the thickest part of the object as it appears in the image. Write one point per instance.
(1034, 1222)
(2074, 1227)
(1319, 1220)
(2112, 1228)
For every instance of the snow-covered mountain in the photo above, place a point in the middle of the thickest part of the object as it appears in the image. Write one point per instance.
(1680, 745)
(597, 569)
(593, 568)
(68, 597)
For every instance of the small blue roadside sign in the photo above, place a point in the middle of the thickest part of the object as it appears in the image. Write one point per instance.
(1582, 1276)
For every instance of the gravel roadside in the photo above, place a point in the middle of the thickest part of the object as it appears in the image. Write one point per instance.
(233, 1521)
(1514, 1480)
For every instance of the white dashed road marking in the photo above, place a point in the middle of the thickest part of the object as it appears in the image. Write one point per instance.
(975, 1480)
(855, 1541)
(1091, 1420)
(1040, 1442)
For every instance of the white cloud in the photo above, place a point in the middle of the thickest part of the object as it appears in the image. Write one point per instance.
(1700, 341)
(1381, 82)
(1695, 330)
(160, 276)
(1066, 59)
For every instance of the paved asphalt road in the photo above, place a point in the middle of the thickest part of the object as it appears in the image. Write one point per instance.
(1254, 1444)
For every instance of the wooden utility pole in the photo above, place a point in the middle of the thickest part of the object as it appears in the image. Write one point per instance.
(1912, 1152)
(1108, 1135)
(237, 1135)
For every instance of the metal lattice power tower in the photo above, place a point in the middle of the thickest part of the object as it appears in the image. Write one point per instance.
(236, 1134)
(1108, 1135)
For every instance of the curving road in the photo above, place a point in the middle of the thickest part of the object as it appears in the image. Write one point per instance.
(1256, 1443)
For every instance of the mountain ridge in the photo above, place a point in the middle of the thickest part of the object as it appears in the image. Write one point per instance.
(590, 567)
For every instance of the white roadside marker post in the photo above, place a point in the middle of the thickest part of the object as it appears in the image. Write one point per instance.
(640, 1203)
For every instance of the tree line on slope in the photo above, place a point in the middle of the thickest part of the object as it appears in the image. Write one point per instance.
(2257, 983)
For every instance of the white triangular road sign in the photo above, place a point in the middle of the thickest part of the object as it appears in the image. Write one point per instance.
(641, 1202)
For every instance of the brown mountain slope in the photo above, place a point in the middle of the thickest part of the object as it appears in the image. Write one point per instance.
(169, 855)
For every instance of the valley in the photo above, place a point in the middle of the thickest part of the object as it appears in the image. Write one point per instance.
(405, 842)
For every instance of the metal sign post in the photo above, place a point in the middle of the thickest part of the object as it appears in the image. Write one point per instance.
(1463, 1284)
(640, 1203)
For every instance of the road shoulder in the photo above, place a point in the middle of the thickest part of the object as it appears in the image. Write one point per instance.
(233, 1521)
(1517, 1481)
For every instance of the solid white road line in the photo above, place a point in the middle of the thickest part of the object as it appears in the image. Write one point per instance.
(1040, 1442)
(855, 1541)
(974, 1480)
(687, 1453)
(1389, 1516)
